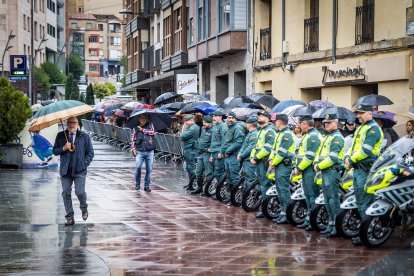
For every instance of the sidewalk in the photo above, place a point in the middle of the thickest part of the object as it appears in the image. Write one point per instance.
(163, 232)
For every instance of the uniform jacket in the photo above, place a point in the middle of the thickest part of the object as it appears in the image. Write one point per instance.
(190, 136)
(233, 139)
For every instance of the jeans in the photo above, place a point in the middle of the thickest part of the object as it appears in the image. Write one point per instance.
(79, 181)
(148, 157)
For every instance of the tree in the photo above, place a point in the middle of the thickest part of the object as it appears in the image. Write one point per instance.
(76, 66)
(74, 95)
(82, 98)
(68, 86)
(42, 82)
(14, 111)
(101, 90)
(111, 87)
(90, 97)
(55, 76)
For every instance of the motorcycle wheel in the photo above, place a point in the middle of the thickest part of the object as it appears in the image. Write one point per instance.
(347, 223)
(296, 212)
(376, 230)
(193, 183)
(237, 193)
(252, 198)
(222, 191)
(210, 187)
(319, 217)
(271, 207)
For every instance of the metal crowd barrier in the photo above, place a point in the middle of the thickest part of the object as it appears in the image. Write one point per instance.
(167, 146)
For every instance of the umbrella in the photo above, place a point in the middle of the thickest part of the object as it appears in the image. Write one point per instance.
(264, 99)
(388, 122)
(163, 98)
(107, 111)
(343, 113)
(36, 107)
(120, 113)
(147, 106)
(289, 111)
(235, 101)
(374, 100)
(401, 120)
(284, 104)
(173, 106)
(304, 110)
(321, 103)
(251, 106)
(244, 113)
(131, 105)
(193, 97)
(101, 105)
(160, 120)
(57, 112)
(206, 108)
(190, 107)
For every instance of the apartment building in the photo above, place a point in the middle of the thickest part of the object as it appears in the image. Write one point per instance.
(334, 50)
(95, 6)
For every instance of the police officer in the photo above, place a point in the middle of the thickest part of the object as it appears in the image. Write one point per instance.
(219, 129)
(204, 168)
(365, 148)
(308, 147)
(329, 160)
(189, 139)
(281, 160)
(232, 142)
(259, 156)
(249, 171)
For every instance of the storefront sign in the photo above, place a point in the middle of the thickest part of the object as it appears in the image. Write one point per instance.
(345, 75)
(186, 83)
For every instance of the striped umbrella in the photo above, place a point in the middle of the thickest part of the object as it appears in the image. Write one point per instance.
(57, 112)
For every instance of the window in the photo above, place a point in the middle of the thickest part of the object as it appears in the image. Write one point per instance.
(93, 39)
(224, 15)
(24, 22)
(100, 27)
(89, 26)
(101, 39)
(177, 29)
(51, 30)
(81, 9)
(93, 67)
(201, 28)
(51, 6)
(115, 41)
(158, 32)
(28, 24)
(93, 52)
(35, 5)
(74, 25)
(167, 36)
(24, 47)
(35, 30)
(101, 53)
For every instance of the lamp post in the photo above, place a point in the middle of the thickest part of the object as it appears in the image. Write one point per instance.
(127, 12)
(31, 67)
(11, 36)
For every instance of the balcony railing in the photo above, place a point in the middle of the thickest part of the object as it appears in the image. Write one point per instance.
(364, 24)
(311, 35)
(265, 43)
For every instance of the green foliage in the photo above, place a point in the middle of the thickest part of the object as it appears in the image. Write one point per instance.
(76, 66)
(55, 76)
(90, 97)
(123, 63)
(14, 111)
(123, 81)
(101, 90)
(111, 87)
(42, 82)
(74, 95)
(82, 98)
(68, 86)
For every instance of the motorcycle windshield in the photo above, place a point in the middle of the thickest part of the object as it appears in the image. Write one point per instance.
(401, 152)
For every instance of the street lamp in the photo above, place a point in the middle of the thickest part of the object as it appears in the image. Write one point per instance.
(11, 36)
(127, 12)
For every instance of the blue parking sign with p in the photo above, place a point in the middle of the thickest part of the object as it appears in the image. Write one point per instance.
(18, 67)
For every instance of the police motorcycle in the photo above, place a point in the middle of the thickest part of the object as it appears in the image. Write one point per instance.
(348, 220)
(391, 179)
(252, 197)
(236, 192)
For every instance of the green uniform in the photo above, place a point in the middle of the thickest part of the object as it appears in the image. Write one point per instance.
(232, 142)
(218, 132)
(204, 168)
(261, 151)
(283, 152)
(329, 160)
(189, 139)
(249, 171)
(365, 148)
(308, 147)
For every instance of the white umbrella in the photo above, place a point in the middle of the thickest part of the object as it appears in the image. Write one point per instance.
(288, 111)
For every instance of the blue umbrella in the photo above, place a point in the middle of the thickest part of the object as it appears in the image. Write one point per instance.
(206, 108)
(285, 104)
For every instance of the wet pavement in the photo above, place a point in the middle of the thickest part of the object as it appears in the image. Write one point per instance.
(165, 232)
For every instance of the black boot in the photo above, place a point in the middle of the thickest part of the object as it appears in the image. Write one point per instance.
(199, 187)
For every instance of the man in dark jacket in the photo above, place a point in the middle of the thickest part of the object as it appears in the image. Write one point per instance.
(143, 139)
(76, 153)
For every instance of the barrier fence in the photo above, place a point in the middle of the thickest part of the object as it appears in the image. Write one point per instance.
(167, 146)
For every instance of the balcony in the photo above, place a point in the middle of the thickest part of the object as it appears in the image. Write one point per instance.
(364, 24)
(311, 35)
(149, 58)
(138, 23)
(136, 76)
(265, 43)
(152, 6)
(175, 61)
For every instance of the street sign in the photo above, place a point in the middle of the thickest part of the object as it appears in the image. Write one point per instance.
(18, 67)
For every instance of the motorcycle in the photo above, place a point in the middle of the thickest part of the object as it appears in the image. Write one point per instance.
(236, 193)
(296, 209)
(391, 180)
(252, 197)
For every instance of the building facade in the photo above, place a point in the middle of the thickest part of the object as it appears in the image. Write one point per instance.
(335, 50)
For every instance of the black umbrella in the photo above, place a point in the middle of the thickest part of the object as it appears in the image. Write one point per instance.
(388, 122)
(163, 98)
(374, 100)
(233, 102)
(107, 111)
(159, 120)
(343, 113)
(264, 99)
(191, 107)
(173, 106)
(306, 110)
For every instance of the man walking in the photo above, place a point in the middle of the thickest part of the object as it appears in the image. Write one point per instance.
(189, 139)
(76, 153)
(143, 146)
(249, 171)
